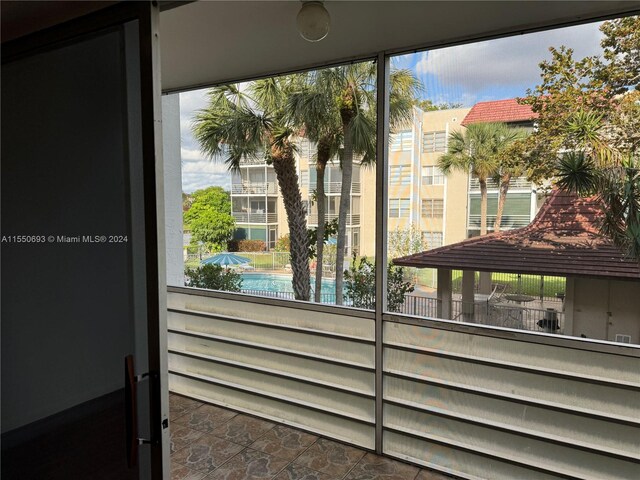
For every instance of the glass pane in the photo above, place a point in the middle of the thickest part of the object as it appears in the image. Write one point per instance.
(241, 210)
(501, 113)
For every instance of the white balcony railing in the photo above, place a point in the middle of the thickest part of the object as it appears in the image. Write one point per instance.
(352, 218)
(508, 221)
(519, 182)
(336, 187)
(487, 398)
(253, 161)
(255, 217)
(266, 188)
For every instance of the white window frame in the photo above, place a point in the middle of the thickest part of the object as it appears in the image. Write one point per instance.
(432, 175)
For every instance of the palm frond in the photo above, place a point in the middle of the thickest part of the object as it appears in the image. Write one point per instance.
(576, 173)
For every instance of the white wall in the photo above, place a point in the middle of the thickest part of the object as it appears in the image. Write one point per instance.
(67, 307)
(172, 188)
(603, 308)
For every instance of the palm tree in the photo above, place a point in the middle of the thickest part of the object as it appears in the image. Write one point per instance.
(511, 164)
(251, 123)
(477, 151)
(312, 111)
(595, 167)
(352, 89)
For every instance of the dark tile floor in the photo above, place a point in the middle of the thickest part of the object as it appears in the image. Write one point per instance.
(214, 443)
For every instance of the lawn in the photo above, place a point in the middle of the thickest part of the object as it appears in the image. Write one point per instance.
(527, 284)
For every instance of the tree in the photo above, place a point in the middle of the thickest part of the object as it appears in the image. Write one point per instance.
(477, 151)
(352, 89)
(405, 241)
(511, 164)
(253, 123)
(429, 106)
(214, 277)
(283, 244)
(590, 110)
(209, 218)
(600, 85)
(360, 285)
(311, 107)
(585, 171)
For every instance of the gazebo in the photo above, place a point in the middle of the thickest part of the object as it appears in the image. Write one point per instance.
(602, 298)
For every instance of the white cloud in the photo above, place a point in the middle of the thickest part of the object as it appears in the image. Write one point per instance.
(200, 172)
(197, 170)
(191, 183)
(510, 61)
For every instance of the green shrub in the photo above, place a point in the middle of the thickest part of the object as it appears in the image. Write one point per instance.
(283, 244)
(247, 246)
(214, 277)
(360, 284)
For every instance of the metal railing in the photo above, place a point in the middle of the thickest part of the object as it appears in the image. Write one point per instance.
(543, 287)
(489, 313)
(508, 315)
(512, 221)
(251, 217)
(419, 306)
(519, 182)
(261, 188)
(352, 218)
(326, 298)
(258, 160)
(336, 187)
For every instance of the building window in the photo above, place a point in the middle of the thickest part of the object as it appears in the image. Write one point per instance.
(304, 178)
(400, 175)
(434, 141)
(399, 207)
(432, 240)
(402, 141)
(432, 208)
(432, 176)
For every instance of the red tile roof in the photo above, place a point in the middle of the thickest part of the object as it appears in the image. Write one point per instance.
(562, 240)
(499, 111)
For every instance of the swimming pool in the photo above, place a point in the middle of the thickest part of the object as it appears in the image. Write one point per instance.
(278, 283)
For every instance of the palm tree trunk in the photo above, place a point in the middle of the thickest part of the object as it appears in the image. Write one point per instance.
(345, 198)
(483, 206)
(484, 281)
(285, 168)
(504, 188)
(320, 199)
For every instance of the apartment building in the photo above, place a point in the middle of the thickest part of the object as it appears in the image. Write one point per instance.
(521, 204)
(444, 209)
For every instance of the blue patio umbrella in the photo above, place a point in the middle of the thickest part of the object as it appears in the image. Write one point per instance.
(226, 258)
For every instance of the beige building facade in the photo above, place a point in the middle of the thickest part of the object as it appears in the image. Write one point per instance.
(440, 209)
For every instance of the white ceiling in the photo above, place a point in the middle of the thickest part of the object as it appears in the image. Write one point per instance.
(215, 41)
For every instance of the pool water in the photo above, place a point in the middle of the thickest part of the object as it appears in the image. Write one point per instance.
(270, 282)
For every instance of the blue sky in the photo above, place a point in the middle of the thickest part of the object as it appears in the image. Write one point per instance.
(466, 74)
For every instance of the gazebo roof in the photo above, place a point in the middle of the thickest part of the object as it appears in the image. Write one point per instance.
(562, 240)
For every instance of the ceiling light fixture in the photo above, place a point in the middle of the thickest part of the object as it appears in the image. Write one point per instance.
(313, 21)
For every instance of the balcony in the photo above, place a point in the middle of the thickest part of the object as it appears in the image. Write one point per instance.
(352, 219)
(516, 183)
(466, 401)
(255, 217)
(265, 188)
(336, 188)
(508, 221)
(244, 161)
(275, 448)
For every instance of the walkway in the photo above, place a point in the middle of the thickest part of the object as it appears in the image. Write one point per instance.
(213, 443)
